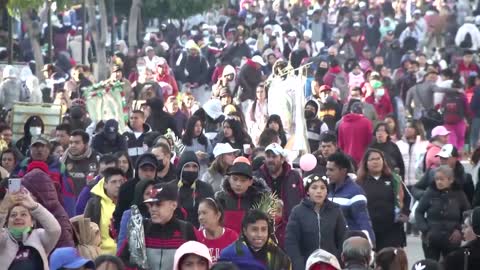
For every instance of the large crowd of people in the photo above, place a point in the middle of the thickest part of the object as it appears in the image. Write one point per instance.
(201, 168)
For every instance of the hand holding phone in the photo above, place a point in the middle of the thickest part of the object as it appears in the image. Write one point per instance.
(14, 185)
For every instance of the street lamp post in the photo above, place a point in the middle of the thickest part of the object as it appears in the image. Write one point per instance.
(112, 34)
(50, 31)
(84, 18)
(10, 39)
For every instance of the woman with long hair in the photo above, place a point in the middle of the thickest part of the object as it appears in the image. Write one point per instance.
(257, 113)
(274, 122)
(125, 163)
(383, 142)
(212, 231)
(195, 140)
(385, 193)
(393, 128)
(22, 245)
(391, 258)
(236, 136)
(224, 157)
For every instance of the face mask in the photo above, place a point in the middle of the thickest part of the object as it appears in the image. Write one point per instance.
(194, 32)
(309, 114)
(17, 233)
(206, 33)
(35, 131)
(218, 40)
(189, 177)
(380, 92)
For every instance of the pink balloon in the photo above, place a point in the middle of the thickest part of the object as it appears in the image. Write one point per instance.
(308, 162)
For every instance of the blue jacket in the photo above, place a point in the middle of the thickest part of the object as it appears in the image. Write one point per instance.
(273, 257)
(353, 202)
(122, 233)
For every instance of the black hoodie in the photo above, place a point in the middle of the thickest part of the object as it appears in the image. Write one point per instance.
(159, 120)
(126, 196)
(24, 143)
(189, 196)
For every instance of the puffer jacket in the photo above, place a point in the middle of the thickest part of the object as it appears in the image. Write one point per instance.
(308, 230)
(235, 206)
(42, 188)
(43, 240)
(444, 209)
(58, 174)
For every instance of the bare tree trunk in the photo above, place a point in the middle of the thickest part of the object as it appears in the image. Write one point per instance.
(99, 38)
(33, 30)
(133, 23)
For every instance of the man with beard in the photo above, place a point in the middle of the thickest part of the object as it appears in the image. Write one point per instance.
(281, 179)
(314, 125)
(109, 140)
(81, 160)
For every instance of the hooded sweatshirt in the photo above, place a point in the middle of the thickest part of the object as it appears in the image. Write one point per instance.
(100, 210)
(10, 88)
(191, 247)
(354, 144)
(190, 194)
(140, 188)
(159, 120)
(42, 188)
(24, 143)
(126, 195)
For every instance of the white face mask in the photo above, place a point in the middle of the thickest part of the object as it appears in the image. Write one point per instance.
(218, 40)
(35, 131)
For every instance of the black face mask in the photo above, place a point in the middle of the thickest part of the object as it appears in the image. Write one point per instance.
(189, 177)
(309, 114)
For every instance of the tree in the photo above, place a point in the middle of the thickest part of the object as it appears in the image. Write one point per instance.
(99, 38)
(133, 19)
(177, 9)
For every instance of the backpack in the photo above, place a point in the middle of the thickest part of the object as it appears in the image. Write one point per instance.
(340, 82)
(453, 108)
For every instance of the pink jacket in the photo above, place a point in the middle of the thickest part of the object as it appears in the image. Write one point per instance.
(43, 240)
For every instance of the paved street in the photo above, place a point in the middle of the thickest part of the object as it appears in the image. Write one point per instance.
(414, 250)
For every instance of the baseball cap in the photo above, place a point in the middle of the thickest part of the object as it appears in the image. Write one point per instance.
(40, 140)
(325, 88)
(439, 131)
(259, 60)
(447, 151)
(163, 192)
(111, 126)
(276, 148)
(292, 34)
(147, 159)
(68, 257)
(321, 256)
(148, 48)
(240, 168)
(223, 148)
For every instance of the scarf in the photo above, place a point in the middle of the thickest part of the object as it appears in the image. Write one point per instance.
(67, 154)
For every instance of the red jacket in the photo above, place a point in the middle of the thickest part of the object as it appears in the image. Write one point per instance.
(355, 143)
(383, 107)
(167, 78)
